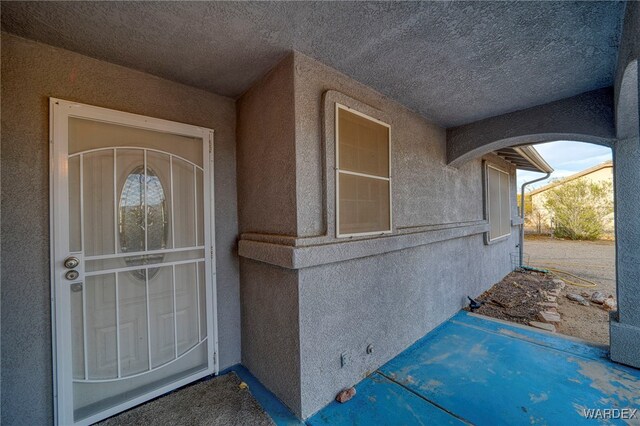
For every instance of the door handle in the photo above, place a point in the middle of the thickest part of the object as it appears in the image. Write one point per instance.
(71, 262)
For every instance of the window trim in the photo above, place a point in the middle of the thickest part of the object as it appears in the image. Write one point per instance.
(488, 203)
(338, 171)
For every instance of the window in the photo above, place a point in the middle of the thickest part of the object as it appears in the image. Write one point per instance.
(498, 203)
(363, 182)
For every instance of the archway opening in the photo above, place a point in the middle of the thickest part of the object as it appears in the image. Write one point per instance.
(569, 230)
(564, 264)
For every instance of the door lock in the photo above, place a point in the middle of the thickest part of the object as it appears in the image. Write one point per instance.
(72, 275)
(71, 262)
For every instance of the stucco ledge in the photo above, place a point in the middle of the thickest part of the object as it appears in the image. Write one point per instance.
(299, 257)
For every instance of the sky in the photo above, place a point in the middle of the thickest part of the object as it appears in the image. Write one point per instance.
(566, 158)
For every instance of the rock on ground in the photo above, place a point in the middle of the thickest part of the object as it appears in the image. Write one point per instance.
(598, 297)
(346, 395)
(548, 316)
(609, 304)
(577, 298)
(543, 326)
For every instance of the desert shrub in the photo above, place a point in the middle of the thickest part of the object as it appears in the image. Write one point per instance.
(578, 209)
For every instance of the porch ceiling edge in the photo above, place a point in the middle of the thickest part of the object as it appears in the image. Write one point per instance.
(296, 254)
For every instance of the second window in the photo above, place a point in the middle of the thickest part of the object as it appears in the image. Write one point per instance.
(363, 179)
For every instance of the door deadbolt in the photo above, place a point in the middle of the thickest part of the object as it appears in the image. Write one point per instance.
(71, 262)
(72, 275)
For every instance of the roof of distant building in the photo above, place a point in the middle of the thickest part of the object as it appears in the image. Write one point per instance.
(574, 176)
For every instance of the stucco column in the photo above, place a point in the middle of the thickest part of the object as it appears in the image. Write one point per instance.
(625, 324)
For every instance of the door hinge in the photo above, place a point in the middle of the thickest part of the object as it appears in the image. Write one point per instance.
(210, 142)
(211, 252)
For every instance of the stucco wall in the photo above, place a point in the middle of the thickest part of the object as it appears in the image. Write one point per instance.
(392, 299)
(31, 73)
(627, 176)
(625, 325)
(270, 325)
(419, 171)
(629, 49)
(267, 205)
(389, 301)
(266, 154)
(386, 290)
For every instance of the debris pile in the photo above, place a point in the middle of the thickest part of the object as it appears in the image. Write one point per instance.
(519, 297)
(549, 317)
(531, 298)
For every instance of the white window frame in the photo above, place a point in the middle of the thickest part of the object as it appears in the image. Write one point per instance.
(488, 203)
(339, 171)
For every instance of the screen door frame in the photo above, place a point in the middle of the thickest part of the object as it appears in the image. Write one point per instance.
(60, 111)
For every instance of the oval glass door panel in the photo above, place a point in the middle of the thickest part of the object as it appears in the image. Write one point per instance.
(133, 202)
(143, 207)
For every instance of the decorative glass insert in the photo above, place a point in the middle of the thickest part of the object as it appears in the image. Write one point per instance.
(143, 217)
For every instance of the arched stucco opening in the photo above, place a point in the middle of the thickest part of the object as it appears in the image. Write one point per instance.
(627, 106)
(588, 117)
(594, 261)
(531, 139)
(597, 327)
(596, 117)
(625, 323)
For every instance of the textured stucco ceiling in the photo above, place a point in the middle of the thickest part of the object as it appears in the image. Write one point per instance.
(453, 63)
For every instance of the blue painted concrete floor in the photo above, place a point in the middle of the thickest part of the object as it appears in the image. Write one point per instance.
(474, 370)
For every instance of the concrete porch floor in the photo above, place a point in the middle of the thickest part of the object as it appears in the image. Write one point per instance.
(482, 371)
(475, 370)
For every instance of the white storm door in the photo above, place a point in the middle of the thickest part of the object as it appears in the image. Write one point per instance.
(133, 267)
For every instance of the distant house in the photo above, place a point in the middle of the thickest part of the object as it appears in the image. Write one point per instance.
(540, 220)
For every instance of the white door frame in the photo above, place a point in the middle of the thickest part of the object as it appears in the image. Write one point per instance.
(59, 113)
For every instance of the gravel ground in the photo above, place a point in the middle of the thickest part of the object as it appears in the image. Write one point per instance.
(220, 401)
(593, 260)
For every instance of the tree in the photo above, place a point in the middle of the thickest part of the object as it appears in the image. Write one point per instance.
(528, 204)
(579, 207)
(536, 218)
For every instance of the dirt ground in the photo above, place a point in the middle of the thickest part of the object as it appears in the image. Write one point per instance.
(516, 298)
(593, 260)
